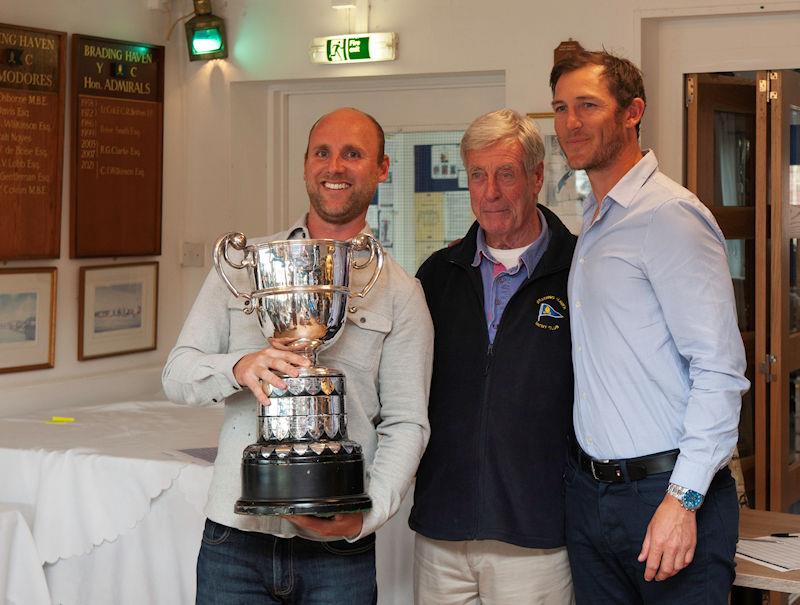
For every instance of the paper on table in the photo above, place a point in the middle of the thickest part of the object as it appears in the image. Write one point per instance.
(780, 554)
(209, 454)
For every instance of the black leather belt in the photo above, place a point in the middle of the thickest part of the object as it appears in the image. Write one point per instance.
(614, 471)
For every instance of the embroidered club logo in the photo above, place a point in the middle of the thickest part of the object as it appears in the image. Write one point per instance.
(546, 310)
(551, 310)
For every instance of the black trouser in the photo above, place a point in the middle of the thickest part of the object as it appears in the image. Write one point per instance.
(606, 524)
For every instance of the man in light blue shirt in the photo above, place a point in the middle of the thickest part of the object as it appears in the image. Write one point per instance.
(658, 358)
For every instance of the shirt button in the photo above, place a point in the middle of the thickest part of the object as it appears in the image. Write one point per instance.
(577, 304)
(580, 348)
(581, 260)
(583, 394)
(589, 440)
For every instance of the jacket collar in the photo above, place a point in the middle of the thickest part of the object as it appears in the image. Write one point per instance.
(528, 257)
(557, 257)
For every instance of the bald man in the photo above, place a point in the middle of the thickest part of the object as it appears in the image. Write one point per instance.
(385, 349)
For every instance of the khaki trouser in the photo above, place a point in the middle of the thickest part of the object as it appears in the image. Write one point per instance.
(490, 573)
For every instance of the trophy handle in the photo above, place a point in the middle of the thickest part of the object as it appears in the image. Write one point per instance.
(363, 241)
(237, 241)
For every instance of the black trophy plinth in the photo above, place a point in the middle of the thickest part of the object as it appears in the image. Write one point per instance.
(304, 464)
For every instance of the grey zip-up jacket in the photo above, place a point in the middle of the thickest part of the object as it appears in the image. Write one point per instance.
(385, 351)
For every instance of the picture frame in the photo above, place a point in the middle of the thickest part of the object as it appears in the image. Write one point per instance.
(564, 189)
(118, 309)
(27, 318)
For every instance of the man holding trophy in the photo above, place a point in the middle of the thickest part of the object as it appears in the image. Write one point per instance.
(265, 549)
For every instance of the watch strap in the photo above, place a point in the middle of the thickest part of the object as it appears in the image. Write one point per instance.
(689, 499)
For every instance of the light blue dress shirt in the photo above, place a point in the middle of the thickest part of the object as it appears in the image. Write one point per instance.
(501, 283)
(659, 361)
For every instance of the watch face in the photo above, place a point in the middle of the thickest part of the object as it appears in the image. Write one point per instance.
(692, 500)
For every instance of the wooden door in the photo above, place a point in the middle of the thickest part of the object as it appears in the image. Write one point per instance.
(721, 150)
(783, 89)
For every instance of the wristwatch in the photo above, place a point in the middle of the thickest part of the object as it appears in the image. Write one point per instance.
(689, 499)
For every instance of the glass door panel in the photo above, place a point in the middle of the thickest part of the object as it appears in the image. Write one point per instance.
(794, 417)
(794, 287)
(741, 261)
(734, 157)
(794, 157)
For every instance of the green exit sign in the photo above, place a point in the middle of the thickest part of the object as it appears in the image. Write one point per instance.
(340, 50)
(354, 48)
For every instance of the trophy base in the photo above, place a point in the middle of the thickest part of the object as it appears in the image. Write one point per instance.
(346, 504)
(299, 487)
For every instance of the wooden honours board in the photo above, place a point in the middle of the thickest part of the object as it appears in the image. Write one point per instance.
(31, 141)
(117, 138)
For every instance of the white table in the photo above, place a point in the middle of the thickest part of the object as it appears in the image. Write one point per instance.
(116, 510)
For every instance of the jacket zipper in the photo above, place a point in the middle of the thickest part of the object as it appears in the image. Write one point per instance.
(482, 443)
(485, 406)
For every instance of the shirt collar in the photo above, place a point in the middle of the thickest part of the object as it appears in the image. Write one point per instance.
(300, 229)
(527, 257)
(627, 188)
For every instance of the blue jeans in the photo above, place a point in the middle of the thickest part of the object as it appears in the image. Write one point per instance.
(242, 568)
(606, 524)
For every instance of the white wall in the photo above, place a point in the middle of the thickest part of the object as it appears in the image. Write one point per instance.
(269, 40)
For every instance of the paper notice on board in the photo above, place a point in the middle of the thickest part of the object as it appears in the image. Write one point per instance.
(458, 215)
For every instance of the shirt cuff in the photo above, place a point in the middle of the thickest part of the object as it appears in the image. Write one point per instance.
(370, 522)
(692, 476)
(223, 373)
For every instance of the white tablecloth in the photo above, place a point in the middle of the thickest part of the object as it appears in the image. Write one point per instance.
(116, 510)
(21, 577)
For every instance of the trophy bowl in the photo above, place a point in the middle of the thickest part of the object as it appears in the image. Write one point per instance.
(303, 461)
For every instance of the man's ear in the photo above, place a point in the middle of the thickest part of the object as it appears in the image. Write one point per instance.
(634, 112)
(538, 178)
(384, 166)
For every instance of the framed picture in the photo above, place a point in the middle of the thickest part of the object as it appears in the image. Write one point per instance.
(118, 309)
(564, 189)
(27, 318)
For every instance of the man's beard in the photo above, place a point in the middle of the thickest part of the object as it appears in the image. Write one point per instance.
(357, 203)
(603, 156)
(606, 153)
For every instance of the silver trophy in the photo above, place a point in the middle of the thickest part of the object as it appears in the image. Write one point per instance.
(303, 462)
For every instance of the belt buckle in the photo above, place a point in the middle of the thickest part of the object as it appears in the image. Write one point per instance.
(594, 472)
